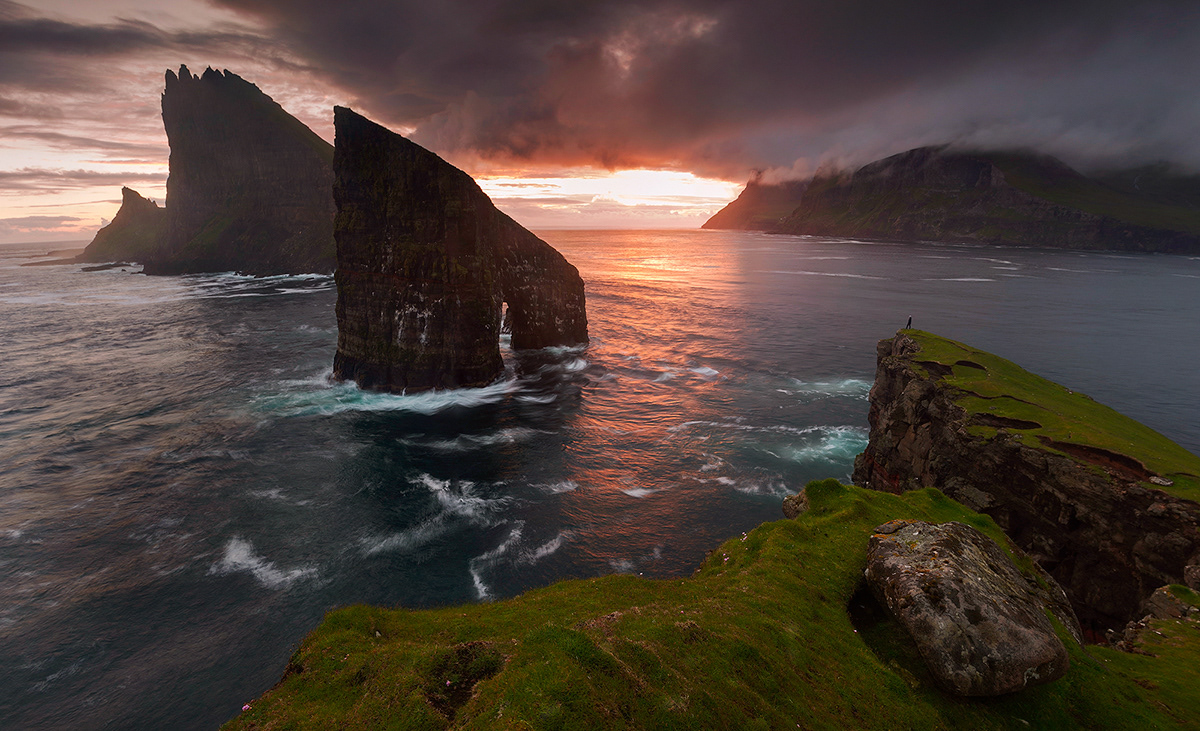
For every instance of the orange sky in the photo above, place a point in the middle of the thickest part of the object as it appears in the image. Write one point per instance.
(61, 177)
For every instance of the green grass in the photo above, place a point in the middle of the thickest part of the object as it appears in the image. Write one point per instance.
(758, 637)
(1003, 389)
(1030, 174)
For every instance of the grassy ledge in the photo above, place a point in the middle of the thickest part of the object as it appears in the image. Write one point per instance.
(1000, 395)
(759, 637)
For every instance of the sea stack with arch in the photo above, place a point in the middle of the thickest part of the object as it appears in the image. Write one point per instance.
(425, 265)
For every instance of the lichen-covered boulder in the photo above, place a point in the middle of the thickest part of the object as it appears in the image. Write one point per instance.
(979, 624)
(795, 505)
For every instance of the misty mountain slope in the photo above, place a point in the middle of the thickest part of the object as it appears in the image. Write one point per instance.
(1000, 197)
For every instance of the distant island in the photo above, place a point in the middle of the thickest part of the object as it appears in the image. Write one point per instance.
(1008, 197)
(250, 188)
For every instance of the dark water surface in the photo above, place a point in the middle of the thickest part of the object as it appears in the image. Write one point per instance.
(183, 494)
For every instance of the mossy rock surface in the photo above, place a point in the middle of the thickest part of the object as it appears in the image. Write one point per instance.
(759, 637)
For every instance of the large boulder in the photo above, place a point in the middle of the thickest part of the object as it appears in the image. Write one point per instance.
(979, 623)
(426, 265)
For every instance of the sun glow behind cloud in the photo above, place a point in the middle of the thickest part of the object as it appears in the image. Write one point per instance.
(589, 198)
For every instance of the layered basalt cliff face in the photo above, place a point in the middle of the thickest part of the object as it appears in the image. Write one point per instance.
(425, 264)
(250, 187)
(1106, 505)
(135, 233)
(1000, 197)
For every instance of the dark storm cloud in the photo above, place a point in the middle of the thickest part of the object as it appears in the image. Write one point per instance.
(725, 84)
(44, 54)
(45, 180)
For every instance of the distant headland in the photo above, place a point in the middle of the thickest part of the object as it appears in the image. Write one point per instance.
(1007, 197)
(250, 188)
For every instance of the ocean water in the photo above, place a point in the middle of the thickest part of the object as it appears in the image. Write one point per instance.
(184, 493)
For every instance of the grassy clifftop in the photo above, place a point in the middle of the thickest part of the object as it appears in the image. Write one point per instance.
(759, 637)
(1001, 395)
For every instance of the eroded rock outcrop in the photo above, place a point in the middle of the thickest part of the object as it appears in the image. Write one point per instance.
(250, 187)
(1111, 526)
(135, 234)
(425, 264)
(980, 625)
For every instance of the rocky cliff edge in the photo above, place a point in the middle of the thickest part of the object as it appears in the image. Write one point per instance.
(1106, 505)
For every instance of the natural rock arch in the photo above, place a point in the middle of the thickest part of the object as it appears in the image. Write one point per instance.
(425, 264)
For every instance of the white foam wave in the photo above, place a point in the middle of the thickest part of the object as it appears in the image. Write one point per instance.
(477, 564)
(239, 556)
(528, 398)
(471, 442)
(768, 487)
(705, 371)
(959, 279)
(835, 445)
(622, 565)
(714, 462)
(410, 539)
(321, 396)
(461, 499)
(776, 428)
(640, 492)
(457, 500)
(555, 488)
(563, 349)
(824, 274)
(853, 387)
(546, 549)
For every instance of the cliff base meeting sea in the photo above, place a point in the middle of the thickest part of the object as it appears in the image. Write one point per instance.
(184, 491)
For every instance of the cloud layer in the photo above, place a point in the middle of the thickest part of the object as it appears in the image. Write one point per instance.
(721, 86)
(717, 87)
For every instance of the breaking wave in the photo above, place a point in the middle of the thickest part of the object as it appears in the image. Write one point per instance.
(239, 556)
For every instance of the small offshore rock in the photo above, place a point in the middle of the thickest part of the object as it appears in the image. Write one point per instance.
(979, 624)
(795, 505)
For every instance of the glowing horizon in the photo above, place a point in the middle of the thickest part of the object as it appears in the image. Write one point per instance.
(537, 198)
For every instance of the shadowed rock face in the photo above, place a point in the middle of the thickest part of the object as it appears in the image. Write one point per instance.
(250, 187)
(135, 233)
(979, 624)
(425, 263)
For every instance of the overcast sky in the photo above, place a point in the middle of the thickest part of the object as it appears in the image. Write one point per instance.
(529, 93)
